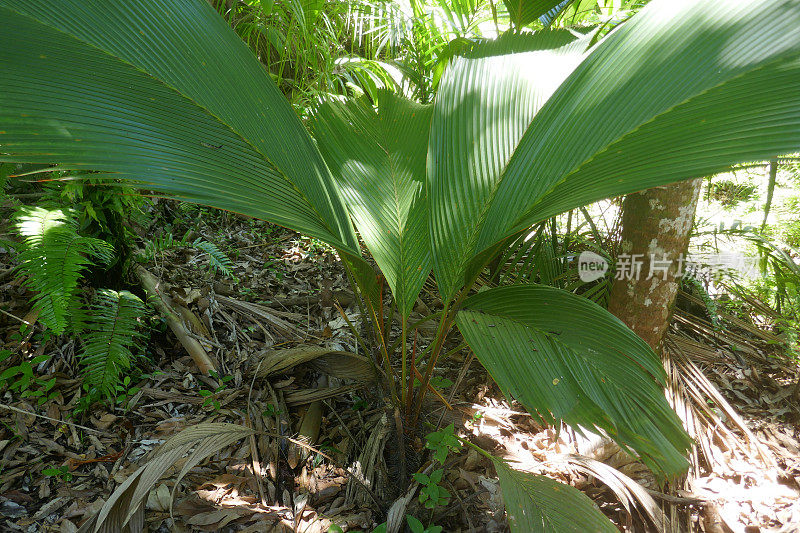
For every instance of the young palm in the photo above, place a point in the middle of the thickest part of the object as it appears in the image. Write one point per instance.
(521, 129)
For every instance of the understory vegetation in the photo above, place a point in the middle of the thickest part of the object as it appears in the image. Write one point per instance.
(340, 247)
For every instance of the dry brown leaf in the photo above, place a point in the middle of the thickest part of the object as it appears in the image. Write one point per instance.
(124, 510)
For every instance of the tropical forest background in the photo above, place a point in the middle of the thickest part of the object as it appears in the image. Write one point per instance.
(380, 318)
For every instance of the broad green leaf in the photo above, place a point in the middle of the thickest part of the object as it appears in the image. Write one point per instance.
(547, 18)
(486, 100)
(311, 10)
(564, 357)
(635, 114)
(378, 159)
(523, 12)
(538, 504)
(163, 93)
(684, 89)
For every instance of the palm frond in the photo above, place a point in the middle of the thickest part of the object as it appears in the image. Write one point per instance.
(540, 504)
(124, 509)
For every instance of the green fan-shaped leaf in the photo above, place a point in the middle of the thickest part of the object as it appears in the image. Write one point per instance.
(378, 159)
(523, 12)
(538, 504)
(485, 102)
(636, 113)
(639, 113)
(565, 357)
(166, 94)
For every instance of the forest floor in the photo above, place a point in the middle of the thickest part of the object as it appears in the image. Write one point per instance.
(58, 466)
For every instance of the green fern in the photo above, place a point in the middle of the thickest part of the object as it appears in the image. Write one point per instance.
(53, 257)
(218, 260)
(160, 244)
(111, 331)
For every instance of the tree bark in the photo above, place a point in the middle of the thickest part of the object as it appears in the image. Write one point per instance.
(656, 226)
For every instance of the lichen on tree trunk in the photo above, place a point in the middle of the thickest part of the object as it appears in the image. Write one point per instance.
(656, 227)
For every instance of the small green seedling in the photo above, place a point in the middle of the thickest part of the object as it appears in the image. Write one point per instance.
(271, 411)
(20, 378)
(436, 382)
(124, 391)
(431, 495)
(443, 442)
(359, 404)
(61, 472)
(211, 396)
(416, 526)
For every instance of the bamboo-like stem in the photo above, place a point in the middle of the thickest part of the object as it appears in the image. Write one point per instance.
(376, 324)
(390, 373)
(433, 390)
(409, 383)
(387, 325)
(163, 304)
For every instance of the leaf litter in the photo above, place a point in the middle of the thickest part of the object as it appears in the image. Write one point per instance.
(735, 392)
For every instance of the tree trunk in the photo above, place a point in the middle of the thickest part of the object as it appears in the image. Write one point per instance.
(656, 226)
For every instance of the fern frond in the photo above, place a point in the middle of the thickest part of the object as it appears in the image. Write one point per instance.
(161, 244)
(218, 260)
(53, 258)
(111, 332)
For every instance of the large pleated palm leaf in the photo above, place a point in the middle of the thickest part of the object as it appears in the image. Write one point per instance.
(523, 12)
(683, 90)
(166, 94)
(378, 160)
(163, 93)
(486, 101)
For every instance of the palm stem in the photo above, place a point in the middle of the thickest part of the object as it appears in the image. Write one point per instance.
(445, 325)
(444, 328)
(404, 371)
